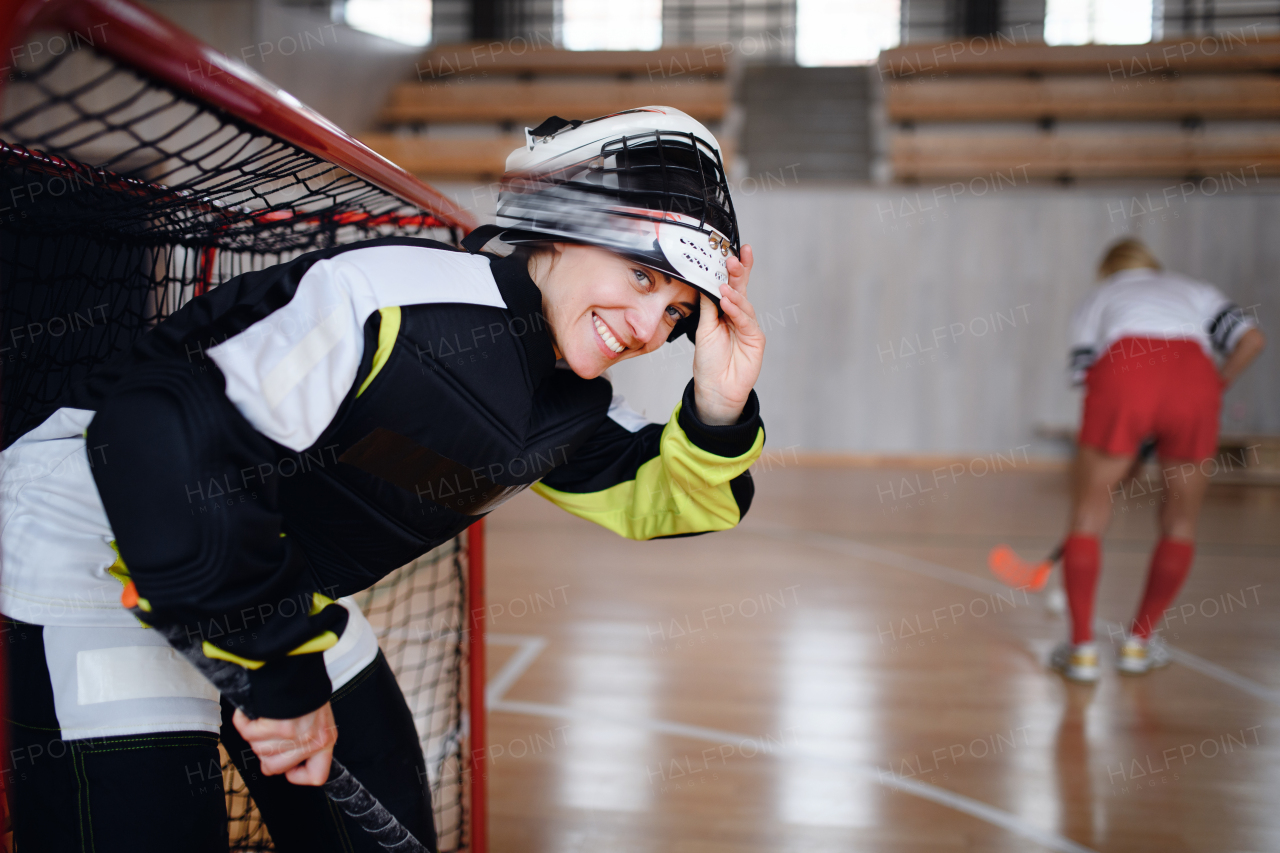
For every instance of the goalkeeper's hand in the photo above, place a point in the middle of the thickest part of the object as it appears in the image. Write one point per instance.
(300, 748)
(729, 348)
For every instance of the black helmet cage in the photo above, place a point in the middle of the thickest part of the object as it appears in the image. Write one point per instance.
(662, 170)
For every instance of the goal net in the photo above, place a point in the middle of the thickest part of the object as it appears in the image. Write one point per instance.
(138, 169)
(416, 612)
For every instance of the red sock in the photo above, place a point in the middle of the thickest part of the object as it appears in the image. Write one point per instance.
(1080, 559)
(1170, 562)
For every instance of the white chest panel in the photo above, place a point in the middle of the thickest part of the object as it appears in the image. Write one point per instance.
(289, 372)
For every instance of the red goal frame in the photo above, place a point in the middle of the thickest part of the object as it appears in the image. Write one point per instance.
(136, 37)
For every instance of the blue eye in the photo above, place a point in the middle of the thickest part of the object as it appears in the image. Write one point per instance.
(674, 313)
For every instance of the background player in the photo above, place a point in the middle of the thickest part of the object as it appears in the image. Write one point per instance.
(1143, 344)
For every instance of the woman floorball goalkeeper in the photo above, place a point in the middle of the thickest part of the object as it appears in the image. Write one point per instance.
(410, 388)
(1144, 345)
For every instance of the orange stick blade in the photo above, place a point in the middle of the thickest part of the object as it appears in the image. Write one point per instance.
(1016, 572)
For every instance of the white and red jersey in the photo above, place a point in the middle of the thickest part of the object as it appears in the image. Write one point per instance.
(1147, 303)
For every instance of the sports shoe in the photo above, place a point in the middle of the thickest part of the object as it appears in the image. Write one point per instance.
(1055, 600)
(1077, 662)
(1139, 656)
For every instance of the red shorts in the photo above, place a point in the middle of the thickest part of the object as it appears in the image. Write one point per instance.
(1151, 388)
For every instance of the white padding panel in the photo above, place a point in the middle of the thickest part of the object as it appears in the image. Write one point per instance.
(289, 372)
(356, 649)
(110, 682)
(626, 417)
(137, 672)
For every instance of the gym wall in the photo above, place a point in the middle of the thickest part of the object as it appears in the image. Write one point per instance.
(906, 320)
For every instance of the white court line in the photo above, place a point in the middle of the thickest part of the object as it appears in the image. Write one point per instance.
(872, 554)
(946, 574)
(1199, 664)
(1221, 673)
(531, 646)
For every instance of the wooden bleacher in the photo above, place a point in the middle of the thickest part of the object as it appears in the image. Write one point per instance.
(1088, 98)
(533, 100)
(1235, 160)
(1228, 52)
(482, 100)
(460, 60)
(446, 158)
(958, 116)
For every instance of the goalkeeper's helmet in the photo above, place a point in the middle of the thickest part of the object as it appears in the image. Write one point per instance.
(648, 184)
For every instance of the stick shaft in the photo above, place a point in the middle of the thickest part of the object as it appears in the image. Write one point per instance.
(362, 807)
(343, 788)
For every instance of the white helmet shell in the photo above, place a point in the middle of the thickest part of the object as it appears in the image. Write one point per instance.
(569, 145)
(647, 183)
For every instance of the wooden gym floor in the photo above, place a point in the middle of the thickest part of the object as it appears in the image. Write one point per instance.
(841, 674)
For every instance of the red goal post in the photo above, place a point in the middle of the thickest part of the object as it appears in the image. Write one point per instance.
(220, 173)
(137, 37)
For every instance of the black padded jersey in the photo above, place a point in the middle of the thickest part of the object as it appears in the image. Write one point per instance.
(301, 431)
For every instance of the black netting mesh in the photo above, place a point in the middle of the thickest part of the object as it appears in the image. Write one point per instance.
(122, 198)
(417, 613)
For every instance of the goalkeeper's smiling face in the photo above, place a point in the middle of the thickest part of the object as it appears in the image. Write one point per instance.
(603, 308)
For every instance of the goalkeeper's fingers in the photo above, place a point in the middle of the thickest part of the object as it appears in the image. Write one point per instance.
(313, 771)
(300, 748)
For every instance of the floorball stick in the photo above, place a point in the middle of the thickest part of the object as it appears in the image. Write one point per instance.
(344, 789)
(1016, 572)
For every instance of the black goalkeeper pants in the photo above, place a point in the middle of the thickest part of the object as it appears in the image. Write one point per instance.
(163, 793)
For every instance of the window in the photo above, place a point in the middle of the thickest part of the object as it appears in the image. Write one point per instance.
(845, 32)
(612, 25)
(405, 21)
(1097, 21)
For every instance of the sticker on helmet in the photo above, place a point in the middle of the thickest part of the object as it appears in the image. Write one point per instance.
(695, 258)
